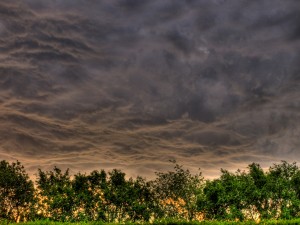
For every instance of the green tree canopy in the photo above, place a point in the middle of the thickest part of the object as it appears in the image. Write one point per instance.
(17, 195)
(177, 192)
(56, 195)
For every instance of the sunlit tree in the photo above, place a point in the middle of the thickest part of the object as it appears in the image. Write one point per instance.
(56, 195)
(177, 192)
(16, 192)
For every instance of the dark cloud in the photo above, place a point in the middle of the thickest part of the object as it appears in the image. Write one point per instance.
(121, 82)
(134, 6)
(179, 41)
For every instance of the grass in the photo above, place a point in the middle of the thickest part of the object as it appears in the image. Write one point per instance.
(166, 222)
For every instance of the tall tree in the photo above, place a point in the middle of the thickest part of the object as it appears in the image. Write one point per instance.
(177, 192)
(232, 196)
(56, 195)
(283, 199)
(89, 195)
(16, 192)
(258, 198)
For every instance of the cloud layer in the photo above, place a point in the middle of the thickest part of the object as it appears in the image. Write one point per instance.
(132, 84)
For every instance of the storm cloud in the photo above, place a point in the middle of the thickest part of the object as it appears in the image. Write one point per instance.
(133, 84)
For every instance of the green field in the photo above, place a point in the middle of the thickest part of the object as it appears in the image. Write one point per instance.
(267, 222)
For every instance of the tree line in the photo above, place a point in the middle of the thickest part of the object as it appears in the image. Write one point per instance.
(178, 194)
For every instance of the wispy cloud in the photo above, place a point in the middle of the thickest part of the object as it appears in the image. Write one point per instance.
(132, 84)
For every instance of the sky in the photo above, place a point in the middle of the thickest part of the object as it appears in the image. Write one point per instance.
(133, 84)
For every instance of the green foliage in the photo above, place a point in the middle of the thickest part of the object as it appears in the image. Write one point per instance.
(127, 199)
(86, 202)
(285, 203)
(177, 192)
(246, 195)
(16, 192)
(94, 197)
(227, 197)
(174, 197)
(166, 222)
(56, 195)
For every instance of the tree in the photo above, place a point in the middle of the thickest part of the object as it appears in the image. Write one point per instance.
(89, 195)
(177, 192)
(56, 196)
(16, 192)
(268, 195)
(140, 204)
(213, 203)
(258, 198)
(115, 195)
(283, 199)
(240, 195)
(126, 200)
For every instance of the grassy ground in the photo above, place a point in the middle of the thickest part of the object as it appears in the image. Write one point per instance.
(270, 222)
